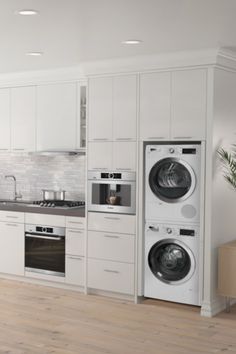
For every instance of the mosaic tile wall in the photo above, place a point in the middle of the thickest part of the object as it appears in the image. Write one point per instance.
(36, 172)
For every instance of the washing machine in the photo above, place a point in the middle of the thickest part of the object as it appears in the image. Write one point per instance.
(172, 182)
(172, 263)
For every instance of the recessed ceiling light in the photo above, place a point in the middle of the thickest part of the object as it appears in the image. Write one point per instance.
(34, 54)
(27, 12)
(131, 41)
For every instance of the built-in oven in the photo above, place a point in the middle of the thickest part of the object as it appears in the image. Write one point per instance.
(45, 249)
(112, 192)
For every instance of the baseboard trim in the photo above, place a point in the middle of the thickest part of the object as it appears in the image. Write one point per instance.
(212, 308)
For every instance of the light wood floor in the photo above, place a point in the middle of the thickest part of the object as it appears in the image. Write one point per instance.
(36, 319)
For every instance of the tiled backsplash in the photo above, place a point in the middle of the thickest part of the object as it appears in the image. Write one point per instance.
(36, 172)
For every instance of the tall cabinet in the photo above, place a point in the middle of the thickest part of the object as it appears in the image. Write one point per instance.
(112, 123)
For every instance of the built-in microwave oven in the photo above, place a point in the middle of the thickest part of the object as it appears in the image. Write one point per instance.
(112, 192)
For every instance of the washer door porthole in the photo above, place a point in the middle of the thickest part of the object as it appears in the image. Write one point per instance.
(171, 261)
(172, 180)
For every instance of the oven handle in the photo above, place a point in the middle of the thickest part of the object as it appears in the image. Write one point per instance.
(57, 238)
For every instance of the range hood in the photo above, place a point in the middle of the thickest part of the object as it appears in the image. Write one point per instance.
(52, 152)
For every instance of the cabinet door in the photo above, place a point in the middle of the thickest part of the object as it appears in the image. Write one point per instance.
(100, 156)
(23, 114)
(56, 116)
(189, 104)
(12, 248)
(74, 270)
(4, 119)
(124, 156)
(100, 109)
(81, 115)
(124, 107)
(155, 106)
(75, 242)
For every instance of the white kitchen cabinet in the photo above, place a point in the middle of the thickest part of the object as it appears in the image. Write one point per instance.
(111, 246)
(23, 118)
(75, 240)
(117, 223)
(75, 222)
(100, 109)
(189, 90)
(124, 156)
(75, 270)
(12, 248)
(124, 107)
(81, 114)
(111, 276)
(56, 116)
(4, 119)
(155, 105)
(45, 219)
(100, 156)
(111, 156)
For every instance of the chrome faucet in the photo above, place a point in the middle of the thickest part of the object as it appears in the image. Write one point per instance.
(16, 195)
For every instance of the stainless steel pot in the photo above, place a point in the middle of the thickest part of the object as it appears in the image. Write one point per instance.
(50, 194)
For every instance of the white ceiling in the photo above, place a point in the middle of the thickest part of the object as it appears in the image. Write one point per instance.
(74, 31)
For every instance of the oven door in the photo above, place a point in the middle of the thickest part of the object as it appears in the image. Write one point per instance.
(111, 196)
(45, 254)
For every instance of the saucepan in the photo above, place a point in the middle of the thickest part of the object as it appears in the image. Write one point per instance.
(50, 194)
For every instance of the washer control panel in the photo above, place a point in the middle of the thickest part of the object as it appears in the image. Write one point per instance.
(173, 230)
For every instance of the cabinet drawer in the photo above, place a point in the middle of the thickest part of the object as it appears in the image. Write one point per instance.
(115, 247)
(44, 219)
(111, 276)
(124, 224)
(12, 216)
(75, 222)
(74, 270)
(75, 242)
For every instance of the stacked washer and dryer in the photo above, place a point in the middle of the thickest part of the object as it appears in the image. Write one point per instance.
(172, 222)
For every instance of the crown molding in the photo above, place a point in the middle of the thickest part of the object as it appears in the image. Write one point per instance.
(220, 57)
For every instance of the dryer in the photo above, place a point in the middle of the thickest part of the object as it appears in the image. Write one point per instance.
(172, 263)
(172, 182)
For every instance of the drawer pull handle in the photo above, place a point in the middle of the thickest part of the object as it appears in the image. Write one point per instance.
(182, 137)
(111, 271)
(100, 139)
(123, 169)
(12, 217)
(156, 137)
(77, 258)
(12, 225)
(75, 222)
(75, 231)
(111, 218)
(123, 139)
(99, 168)
(111, 236)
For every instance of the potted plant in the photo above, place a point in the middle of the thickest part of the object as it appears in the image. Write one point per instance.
(228, 160)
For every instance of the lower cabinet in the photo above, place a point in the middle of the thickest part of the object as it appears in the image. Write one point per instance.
(75, 270)
(111, 276)
(12, 248)
(75, 244)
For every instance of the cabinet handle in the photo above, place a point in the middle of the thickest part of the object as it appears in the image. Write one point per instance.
(124, 139)
(19, 149)
(111, 218)
(111, 236)
(11, 217)
(111, 271)
(123, 169)
(75, 231)
(99, 168)
(100, 139)
(182, 137)
(75, 222)
(78, 258)
(156, 137)
(4, 149)
(8, 224)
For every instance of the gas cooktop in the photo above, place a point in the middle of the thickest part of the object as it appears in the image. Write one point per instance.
(64, 204)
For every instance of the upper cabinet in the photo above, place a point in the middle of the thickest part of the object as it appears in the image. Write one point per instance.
(112, 108)
(155, 105)
(81, 115)
(100, 109)
(173, 105)
(5, 129)
(23, 118)
(56, 116)
(189, 91)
